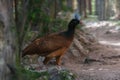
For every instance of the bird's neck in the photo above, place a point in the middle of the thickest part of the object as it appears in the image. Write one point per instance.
(71, 30)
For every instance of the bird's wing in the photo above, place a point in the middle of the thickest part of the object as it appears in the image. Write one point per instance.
(51, 43)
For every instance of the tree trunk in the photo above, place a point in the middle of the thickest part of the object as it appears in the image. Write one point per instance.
(70, 4)
(97, 3)
(100, 9)
(7, 55)
(117, 9)
(82, 7)
(103, 9)
(108, 10)
(89, 6)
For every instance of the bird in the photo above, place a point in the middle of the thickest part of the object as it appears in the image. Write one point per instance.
(54, 45)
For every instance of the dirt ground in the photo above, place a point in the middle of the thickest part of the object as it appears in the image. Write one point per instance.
(108, 55)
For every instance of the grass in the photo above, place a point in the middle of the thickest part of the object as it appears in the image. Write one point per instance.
(24, 74)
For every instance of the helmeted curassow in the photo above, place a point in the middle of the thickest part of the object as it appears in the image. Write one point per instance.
(53, 45)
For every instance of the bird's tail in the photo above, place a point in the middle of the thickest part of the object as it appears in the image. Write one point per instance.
(30, 49)
(25, 51)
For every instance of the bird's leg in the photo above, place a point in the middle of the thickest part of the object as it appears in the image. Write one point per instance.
(42, 64)
(58, 60)
(58, 53)
(46, 60)
(39, 63)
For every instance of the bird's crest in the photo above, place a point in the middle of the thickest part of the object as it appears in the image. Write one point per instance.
(76, 15)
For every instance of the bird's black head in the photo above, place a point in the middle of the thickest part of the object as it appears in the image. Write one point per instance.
(75, 21)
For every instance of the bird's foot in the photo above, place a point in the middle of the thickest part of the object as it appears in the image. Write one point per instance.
(59, 67)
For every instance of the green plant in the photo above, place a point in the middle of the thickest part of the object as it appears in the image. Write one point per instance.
(24, 74)
(67, 75)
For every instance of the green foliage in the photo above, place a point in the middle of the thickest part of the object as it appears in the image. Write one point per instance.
(23, 74)
(67, 75)
(34, 11)
(26, 74)
(58, 25)
(64, 6)
(41, 12)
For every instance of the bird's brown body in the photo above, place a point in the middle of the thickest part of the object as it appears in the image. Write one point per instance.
(51, 46)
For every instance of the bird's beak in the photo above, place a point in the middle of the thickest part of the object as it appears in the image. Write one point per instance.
(81, 23)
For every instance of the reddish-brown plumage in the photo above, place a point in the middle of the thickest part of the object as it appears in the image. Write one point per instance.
(53, 45)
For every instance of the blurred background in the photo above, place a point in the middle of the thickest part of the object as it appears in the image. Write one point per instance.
(22, 21)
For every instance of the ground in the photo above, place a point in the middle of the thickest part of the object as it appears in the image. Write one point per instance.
(99, 42)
